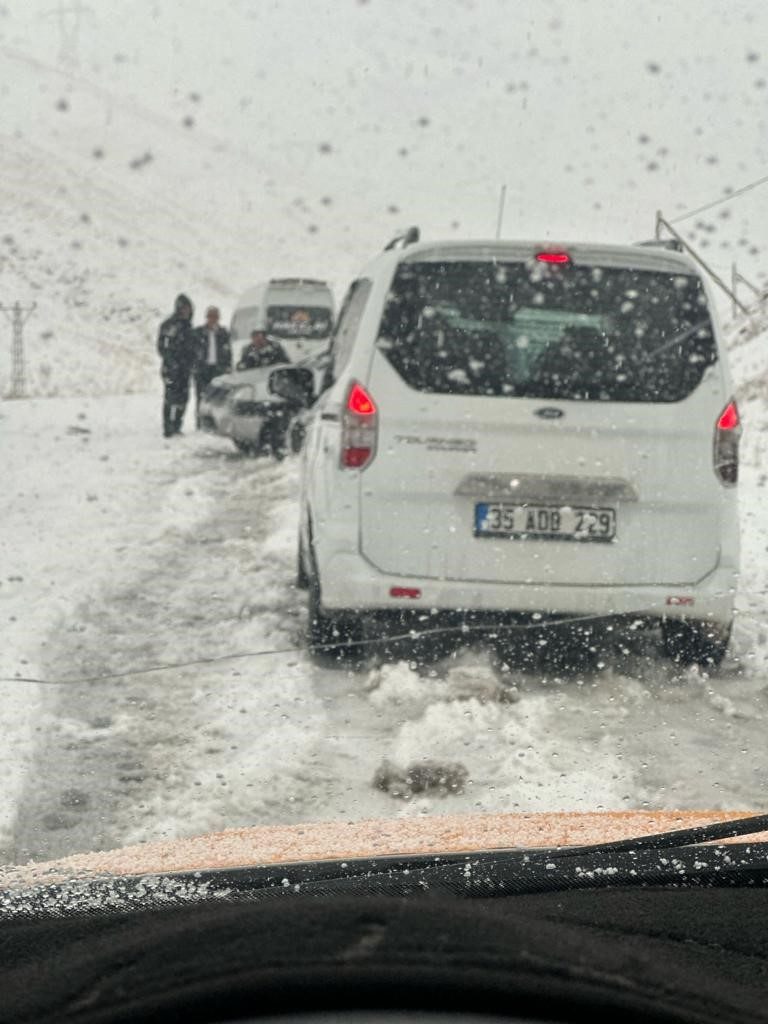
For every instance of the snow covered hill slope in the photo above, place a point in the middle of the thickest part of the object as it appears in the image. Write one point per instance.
(151, 148)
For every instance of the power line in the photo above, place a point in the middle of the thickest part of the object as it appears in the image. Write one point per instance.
(150, 669)
(722, 199)
(493, 630)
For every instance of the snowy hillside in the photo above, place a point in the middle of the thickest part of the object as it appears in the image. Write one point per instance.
(151, 149)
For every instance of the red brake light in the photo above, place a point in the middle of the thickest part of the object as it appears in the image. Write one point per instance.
(726, 446)
(355, 458)
(553, 257)
(359, 428)
(729, 418)
(410, 592)
(359, 401)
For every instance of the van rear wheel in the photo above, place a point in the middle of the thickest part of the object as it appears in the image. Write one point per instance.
(693, 642)
(332, 635)
(302, 576)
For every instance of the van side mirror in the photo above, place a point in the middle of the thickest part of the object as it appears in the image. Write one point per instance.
(296, 384)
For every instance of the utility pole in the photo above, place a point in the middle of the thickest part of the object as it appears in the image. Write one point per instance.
(70, 17)
(18, 315)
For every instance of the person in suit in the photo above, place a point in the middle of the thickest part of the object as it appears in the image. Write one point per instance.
(213, 353)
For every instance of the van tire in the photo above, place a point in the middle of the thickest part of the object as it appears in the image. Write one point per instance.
(302, 576)
(693, 642)
(272, 440)
(297, 434)
(331, 636)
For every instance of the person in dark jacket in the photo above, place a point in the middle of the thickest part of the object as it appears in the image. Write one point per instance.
(176, 347)
(261, 351)
(213, 354)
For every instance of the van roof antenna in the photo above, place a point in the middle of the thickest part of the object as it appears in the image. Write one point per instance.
(408, 237)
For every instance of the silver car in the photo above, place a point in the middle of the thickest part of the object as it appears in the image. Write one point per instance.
(259, 409)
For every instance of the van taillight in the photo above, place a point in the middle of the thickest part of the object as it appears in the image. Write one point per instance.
(359, 428)
(726, 448)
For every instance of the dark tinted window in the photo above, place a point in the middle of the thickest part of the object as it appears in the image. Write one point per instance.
(299, 321)
(217, 393)
(547, 331)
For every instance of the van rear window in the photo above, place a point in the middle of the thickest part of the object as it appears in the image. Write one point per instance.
(299, 321)
(547, 331)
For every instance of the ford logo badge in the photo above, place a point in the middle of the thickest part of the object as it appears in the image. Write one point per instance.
(549, 412)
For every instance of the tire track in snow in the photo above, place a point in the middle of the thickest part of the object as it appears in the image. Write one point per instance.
(281, 739)
(105, 747)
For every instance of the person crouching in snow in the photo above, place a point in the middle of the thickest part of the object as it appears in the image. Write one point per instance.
(261, 351)
(176, 348)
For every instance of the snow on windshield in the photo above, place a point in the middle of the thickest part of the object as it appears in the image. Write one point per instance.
(156, 677)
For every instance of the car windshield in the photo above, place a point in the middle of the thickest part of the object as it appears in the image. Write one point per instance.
(548, 331)
(479, 531)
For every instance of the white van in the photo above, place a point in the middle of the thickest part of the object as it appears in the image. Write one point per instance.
(516, 433)
(297, 311)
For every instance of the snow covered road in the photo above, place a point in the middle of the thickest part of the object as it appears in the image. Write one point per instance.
(121, 552)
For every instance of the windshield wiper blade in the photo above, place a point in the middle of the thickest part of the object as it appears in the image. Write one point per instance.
(677, 857)
(681, 336)
(714, 832)
(671, 858)
(658, 858)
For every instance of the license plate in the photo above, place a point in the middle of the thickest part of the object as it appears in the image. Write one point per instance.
(568, 522)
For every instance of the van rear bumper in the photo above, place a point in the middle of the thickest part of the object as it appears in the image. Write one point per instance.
(349, 582)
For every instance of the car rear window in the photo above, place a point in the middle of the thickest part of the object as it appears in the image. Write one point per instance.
(547, 331)
(217, 392)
